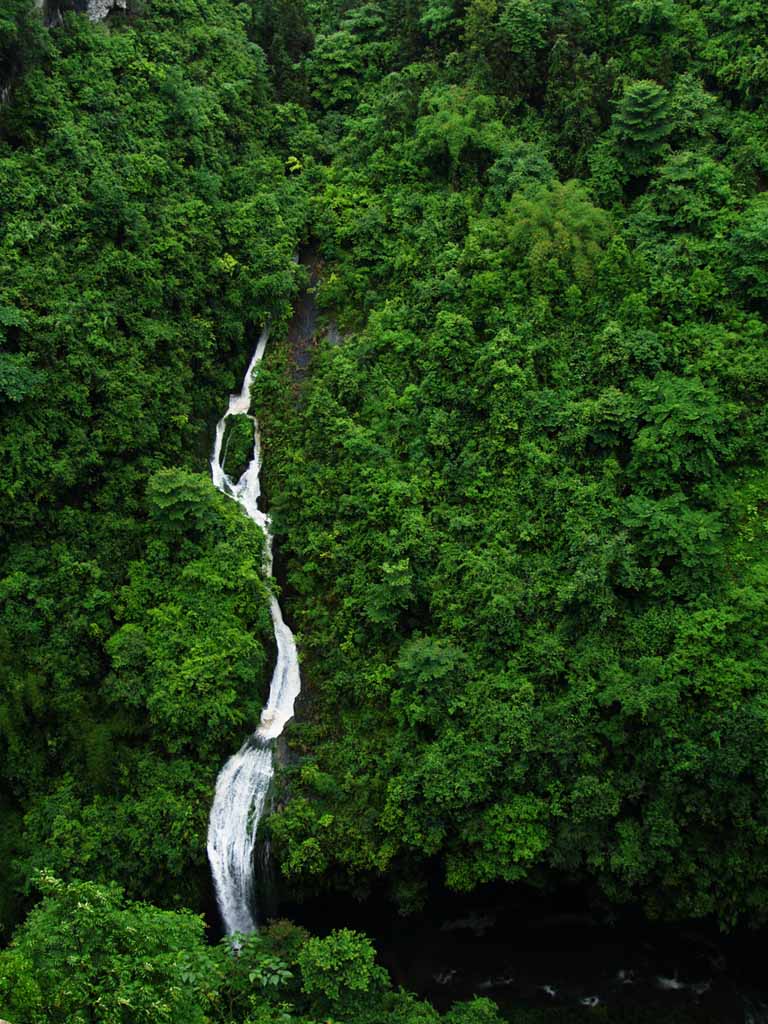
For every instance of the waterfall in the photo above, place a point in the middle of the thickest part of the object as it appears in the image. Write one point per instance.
(243, 783)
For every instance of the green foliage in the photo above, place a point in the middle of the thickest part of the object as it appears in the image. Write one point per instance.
(237, 446)
(340, 964)
(510, 37)
(642, 123)
(457, 127)
(84, 955)
(335, 65)
(558, 233)
(691, 192)
(283, 33)
(22, 40)
(190, 633)
(749, 249)
(196, 619)
(478, 1011)
(18, 379)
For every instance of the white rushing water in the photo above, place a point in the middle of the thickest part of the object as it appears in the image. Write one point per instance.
(244, 781)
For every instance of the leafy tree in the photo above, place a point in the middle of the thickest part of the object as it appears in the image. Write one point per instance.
(642, 123)
(440, 20)
(457, 128)
(691, 192)
(477, 1011)
(558, 233)
(22, 41)
(333, 68)
(283, 33)
(339, 965)
(749, 251)
(84, 955)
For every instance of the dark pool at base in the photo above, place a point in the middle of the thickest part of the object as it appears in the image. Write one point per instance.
(557, 955)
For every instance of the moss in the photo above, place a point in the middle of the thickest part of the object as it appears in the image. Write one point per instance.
(237, 446)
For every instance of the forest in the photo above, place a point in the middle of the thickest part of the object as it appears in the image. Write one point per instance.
(517, 481)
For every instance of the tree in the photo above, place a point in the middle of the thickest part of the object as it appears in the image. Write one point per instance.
(476, 1011)
(284, 35)
(84, 955)
(22, 40)
(338, 967)
(749, 249)
(642, 123)
(690, 192)
(557, 234)
(457, 131)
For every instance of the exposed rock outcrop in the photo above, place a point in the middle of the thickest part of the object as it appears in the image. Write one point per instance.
(99, 10)
(96, 10)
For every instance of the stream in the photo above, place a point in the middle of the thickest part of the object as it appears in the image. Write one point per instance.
(243, 784)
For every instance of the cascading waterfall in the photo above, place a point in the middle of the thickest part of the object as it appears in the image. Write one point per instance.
(243, 783)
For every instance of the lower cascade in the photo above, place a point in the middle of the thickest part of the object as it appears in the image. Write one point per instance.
(243, 783)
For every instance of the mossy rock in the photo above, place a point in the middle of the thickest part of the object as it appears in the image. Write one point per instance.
(237, 448)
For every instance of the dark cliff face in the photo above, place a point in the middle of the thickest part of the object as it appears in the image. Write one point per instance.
(50, 11)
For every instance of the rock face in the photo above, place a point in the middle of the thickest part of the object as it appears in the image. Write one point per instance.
(98, 10)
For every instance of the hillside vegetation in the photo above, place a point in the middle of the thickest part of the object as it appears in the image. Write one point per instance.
(520, 505)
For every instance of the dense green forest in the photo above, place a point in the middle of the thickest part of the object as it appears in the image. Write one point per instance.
(519, 494)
